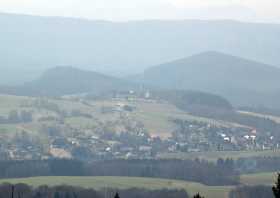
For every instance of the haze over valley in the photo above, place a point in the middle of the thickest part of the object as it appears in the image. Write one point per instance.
(98, 99)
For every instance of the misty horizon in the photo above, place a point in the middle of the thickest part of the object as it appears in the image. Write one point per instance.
(247, 11)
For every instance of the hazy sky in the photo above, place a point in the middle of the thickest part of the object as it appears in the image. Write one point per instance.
(249, 10)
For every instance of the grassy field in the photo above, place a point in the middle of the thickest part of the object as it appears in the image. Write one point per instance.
(125, 183)
(213, 156)
(8, 128)
(99, 183)
(259, 178)
(80, 122)
(8, 103)
(156, 117)
(274, 118)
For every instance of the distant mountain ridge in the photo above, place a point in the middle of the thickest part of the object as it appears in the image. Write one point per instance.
(32, 44)
(60, 81)
(242, 81)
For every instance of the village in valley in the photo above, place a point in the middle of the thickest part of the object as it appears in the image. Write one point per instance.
(128, 125)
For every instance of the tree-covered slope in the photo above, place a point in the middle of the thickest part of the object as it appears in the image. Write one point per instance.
(68, 80)
(242, 81)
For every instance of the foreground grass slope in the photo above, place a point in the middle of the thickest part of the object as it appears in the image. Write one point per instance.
(266, 178)
(100, 183)
(125, 183)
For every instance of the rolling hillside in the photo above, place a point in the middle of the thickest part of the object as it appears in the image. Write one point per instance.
(100, 183)
(242, 81)
(125, 183)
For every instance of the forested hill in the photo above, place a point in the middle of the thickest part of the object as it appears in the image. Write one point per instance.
(196, 102)
(60, 81)
(242, 81)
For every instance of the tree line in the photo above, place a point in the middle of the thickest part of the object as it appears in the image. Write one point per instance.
(63, 191)
(257, 164)
(190, 170)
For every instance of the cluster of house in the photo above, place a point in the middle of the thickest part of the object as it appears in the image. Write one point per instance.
(189, 136)
(20, 151)
(91, 147)
(196, 136)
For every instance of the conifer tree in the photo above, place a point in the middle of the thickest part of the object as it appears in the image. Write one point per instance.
(276, 187)
(197, 196)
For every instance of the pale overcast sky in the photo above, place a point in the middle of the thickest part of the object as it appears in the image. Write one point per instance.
(247, 10)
